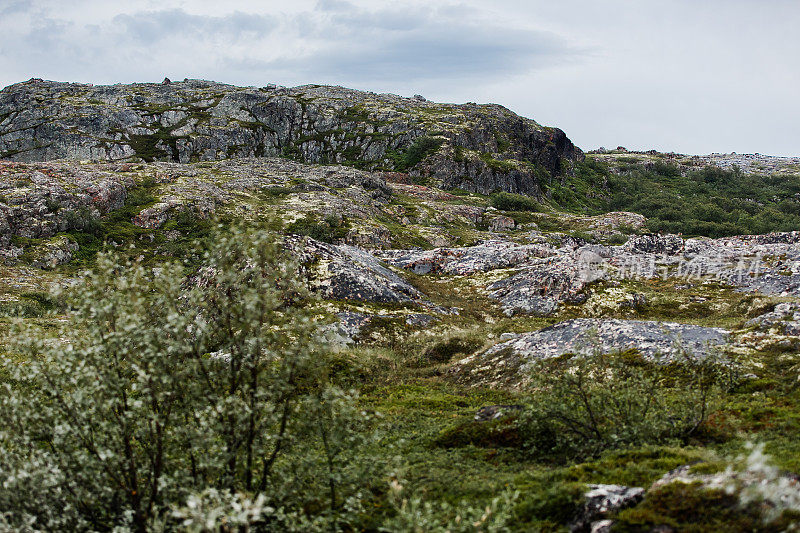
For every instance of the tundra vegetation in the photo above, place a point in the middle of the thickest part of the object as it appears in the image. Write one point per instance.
(245, 345)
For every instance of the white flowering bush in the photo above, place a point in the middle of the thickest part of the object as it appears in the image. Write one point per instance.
(160, 396)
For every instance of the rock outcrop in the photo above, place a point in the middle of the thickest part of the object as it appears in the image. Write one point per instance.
(585, 335)
(475, 147)
(349, 273)
(509, 361)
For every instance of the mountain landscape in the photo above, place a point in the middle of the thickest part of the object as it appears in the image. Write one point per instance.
(526, 336)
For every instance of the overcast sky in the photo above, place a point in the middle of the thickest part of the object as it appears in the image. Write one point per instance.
(675, 75)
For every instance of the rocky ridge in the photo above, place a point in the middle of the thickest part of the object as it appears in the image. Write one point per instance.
(474, 147)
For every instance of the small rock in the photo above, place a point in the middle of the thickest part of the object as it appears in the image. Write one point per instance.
(493, 412)
(420, 319)
(502, 223)
(602, 500)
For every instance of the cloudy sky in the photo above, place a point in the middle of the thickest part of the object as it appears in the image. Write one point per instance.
(682, 75)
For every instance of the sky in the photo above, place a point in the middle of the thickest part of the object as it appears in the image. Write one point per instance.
(689, 76)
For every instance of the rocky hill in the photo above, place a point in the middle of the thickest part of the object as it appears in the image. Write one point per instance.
(474, 147)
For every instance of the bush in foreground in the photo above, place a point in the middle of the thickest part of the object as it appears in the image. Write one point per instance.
(161, 394)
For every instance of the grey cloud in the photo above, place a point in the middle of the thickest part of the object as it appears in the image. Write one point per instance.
(435, 44)
(336, 42)
(153, 26)
(16, 7)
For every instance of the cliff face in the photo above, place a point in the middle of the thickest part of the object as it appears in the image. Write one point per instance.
(479, 148)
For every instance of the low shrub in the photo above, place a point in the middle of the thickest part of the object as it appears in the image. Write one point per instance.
(442, 351)
(581, 405)
(506, 201)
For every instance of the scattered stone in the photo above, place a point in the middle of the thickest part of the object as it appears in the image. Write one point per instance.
(600, 502)
(493, 412)
(420, 320)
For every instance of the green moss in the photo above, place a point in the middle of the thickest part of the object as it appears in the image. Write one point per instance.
(691, 508)
(442, 351)
(501, 433)
(498, 165)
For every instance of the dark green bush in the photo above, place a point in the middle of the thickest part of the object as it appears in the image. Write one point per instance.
(330, 230)
(416, 152)
(711, 201)
(692, 508)
(506, 201)
(501, 433)
(444, 350)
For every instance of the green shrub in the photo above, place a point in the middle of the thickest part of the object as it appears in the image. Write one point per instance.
(421, 148)
(501, 433)
(442, 351)
(581, 405)
(330, 230)
(710, 201)
(506, 201)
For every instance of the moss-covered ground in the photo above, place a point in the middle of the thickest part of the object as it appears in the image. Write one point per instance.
(402, 372)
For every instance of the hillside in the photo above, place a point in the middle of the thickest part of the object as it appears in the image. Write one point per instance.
(534, 339)
(476, 148)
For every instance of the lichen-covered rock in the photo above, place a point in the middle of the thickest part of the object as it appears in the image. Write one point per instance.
(502, 223)
(349, 273)
(202, 120)
(654, 244)
(784, 319)
(40, 200)
(587, 335)
(489, 255)
(54, 252)
(346, 329)
(510, 361)
(540, 288)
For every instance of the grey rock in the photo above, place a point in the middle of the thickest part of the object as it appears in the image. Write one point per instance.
(654, 244)
(57, 251)
(493, 412)
(489, 255)
(349, 273)
(540, 288)
(346, 329)
(657, 340)
(600, 502)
